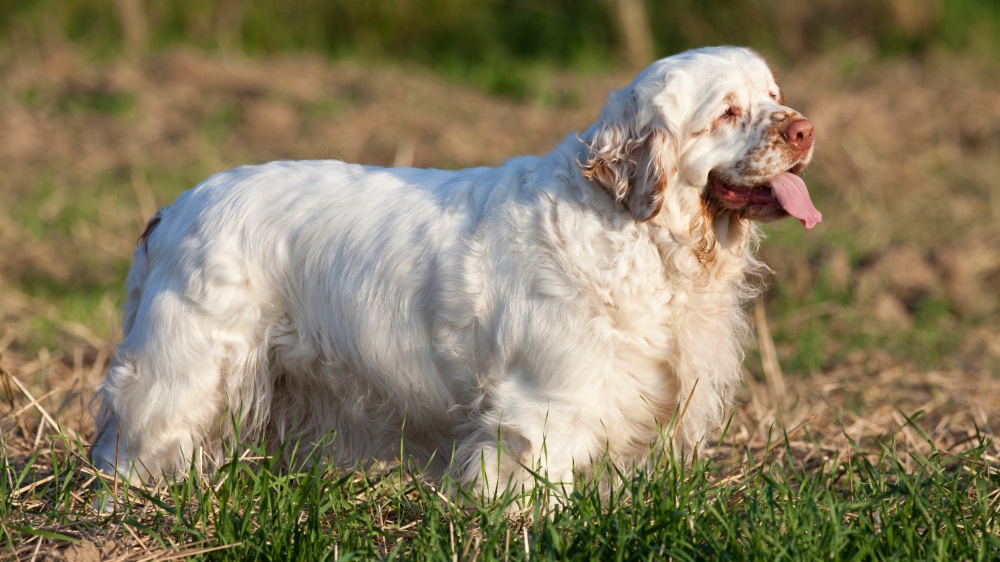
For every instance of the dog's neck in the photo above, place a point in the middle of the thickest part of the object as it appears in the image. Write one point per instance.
(705, 246)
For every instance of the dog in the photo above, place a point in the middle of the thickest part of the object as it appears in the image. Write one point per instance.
(497, 322)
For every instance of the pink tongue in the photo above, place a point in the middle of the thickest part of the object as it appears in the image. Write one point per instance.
(794, 199)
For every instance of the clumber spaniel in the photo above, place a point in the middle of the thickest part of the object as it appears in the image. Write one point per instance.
(540, 315)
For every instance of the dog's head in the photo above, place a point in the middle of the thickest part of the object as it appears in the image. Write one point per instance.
(706, 128)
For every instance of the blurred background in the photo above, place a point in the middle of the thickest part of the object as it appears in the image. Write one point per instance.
(110, 108)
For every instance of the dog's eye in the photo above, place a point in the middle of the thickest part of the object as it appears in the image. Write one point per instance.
(728, 116)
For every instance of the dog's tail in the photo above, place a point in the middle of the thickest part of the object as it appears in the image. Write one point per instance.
(104, 418)
(141, 265)
(150, 226)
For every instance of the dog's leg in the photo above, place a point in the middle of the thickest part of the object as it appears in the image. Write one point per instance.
(521, 457)
(165, 393)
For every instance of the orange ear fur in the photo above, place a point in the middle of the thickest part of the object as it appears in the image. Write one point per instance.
(628, 161)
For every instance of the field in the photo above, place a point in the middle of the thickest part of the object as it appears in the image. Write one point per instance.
(866, 426)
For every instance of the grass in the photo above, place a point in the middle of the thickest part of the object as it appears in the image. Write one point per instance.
(508, 47)
(884, 321)
(874, 505)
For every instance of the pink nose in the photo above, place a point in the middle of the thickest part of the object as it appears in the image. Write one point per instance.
(800, 134)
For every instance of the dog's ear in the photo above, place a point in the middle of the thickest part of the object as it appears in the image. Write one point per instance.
(630, 156)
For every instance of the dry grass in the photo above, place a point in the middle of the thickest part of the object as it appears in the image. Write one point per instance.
(886, 312)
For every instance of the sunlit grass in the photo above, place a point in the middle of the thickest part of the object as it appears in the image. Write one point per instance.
(874, 505)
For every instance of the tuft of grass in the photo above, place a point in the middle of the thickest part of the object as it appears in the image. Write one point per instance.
(873, 504)
(96, 101)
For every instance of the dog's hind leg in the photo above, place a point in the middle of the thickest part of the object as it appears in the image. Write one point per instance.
(164, 395)
(185, 371)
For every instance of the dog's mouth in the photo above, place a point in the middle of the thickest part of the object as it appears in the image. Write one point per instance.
(784, 194)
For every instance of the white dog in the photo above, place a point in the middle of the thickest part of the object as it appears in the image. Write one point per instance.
(540, 315)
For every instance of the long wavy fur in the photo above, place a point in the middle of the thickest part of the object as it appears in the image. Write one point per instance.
(536, 316)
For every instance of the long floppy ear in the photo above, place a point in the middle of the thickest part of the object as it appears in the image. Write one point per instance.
(629, 156)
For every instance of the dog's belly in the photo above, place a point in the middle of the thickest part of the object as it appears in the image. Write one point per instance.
(367, 409)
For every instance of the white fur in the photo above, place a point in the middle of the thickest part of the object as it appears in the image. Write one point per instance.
(563, 307)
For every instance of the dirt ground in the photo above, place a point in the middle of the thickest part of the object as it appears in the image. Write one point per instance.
(888, 310)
